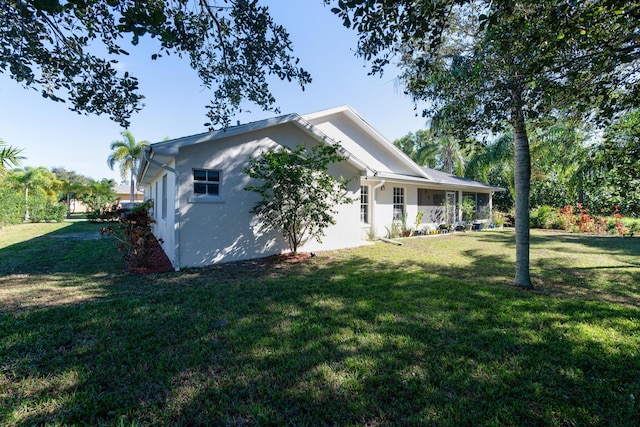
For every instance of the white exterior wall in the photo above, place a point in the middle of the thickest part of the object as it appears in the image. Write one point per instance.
(381, 205)
(165, 228)
(224, 230)
(359, 143)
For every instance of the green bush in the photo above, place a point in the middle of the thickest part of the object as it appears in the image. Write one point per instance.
(543, 217)
(42, 209)
(11, 206)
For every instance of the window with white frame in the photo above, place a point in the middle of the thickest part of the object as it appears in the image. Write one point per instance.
(206, 182)
(364, 204)
(164, 196)
(398, 203)
(155, 203)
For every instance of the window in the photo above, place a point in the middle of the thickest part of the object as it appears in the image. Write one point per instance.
(364, 204)
(398, 203)
(164, 196)
(206, 182)
(155, 203)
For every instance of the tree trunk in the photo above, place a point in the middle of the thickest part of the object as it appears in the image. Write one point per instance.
(133, 188)
(522, 178)
(26, 202)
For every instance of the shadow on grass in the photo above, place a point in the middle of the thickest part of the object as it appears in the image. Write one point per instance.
(345, 339)
(76, 248)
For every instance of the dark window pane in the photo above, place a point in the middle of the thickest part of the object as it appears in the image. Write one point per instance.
(199, 175)
(214, 176)
(200, 188)
(212, 189)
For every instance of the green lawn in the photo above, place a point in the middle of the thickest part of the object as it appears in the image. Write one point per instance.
(428, 333)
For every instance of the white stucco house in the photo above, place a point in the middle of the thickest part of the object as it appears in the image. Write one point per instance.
(202, 210)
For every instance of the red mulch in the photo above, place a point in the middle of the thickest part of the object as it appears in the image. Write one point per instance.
(290, 258)
(158, 262)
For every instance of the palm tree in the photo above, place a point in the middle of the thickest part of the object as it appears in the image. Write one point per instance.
(451, 158)
(127, 152)
(9, 156)
(34, 178)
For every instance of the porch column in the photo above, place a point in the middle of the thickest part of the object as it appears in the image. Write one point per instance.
(490, 207)
(460, 204)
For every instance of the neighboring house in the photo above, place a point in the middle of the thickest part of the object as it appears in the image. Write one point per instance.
(203, 212)
(124, 195)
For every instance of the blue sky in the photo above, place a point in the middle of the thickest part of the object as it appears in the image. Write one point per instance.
(51, 135)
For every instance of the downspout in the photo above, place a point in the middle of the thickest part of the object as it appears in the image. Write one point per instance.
(375, 206)
(176, 222)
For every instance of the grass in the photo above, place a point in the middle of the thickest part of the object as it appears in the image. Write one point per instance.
(428, 333)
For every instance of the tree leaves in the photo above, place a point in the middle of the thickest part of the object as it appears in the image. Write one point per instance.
(298, 196)
(233, 49)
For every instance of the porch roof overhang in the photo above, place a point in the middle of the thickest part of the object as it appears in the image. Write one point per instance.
(453, 183)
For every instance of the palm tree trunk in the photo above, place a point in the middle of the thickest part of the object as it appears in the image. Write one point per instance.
(522, 178)
(133, 188)
(26, 202)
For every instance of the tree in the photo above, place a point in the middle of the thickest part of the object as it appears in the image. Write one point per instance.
(127, 152)
(298, 196)
(99, 196)
(559, 154)
(420, 147)
(434, 148)
(9, 156)
(493, 162)
(33, 179)
(72, 184)
(616, 164)
(487, 64)
(233, 45)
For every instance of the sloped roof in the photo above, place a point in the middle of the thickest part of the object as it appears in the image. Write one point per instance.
(454, 180)
(124, 189)
(164, 151)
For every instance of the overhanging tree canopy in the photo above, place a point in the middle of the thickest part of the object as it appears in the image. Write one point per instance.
(487, 63)
(233, 45)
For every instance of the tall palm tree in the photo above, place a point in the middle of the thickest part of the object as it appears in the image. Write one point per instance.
(9, 156)
(451, 158)
(127, 152)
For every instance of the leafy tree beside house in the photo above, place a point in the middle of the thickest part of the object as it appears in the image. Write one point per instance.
(298, 195)
(127, 153)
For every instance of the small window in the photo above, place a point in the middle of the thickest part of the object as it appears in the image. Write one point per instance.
(155, 203)
(398, 203)
(164, 196)
(206, 182)
(364, 204)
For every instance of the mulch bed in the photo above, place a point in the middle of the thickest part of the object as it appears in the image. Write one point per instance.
(158, 261)
(290, 258)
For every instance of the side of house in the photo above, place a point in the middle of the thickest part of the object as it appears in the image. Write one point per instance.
(202, 209)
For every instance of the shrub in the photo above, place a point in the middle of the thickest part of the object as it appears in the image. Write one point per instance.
(12, 206)
(499, 218)
(585, 221)
(134, 235)
(542, 217)
(42, 209)
(566, 218)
